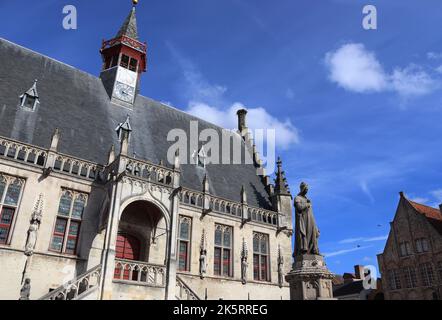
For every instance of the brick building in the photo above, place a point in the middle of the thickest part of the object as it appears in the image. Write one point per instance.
(411, 264)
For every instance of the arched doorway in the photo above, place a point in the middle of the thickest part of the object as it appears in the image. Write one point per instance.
(141, 244)
(127, 248)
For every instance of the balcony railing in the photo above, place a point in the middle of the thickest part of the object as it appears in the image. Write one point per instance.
(183, 291)
(140, 273)
(78, 287)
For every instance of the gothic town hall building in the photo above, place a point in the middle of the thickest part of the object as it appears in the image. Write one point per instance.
(90, 208)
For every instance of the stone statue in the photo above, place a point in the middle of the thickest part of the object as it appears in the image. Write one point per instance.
(203, 255)
(25, 290)
(306, 233)
(32, 238)
(203, 262)
(280, 268)
(244, 263)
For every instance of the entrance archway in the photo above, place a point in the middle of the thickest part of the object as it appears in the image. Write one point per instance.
(141, 246)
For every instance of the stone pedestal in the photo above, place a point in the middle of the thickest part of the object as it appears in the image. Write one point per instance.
(310, 279)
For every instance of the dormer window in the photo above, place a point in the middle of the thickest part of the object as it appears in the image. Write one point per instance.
(200, 157)
(124, 61)
(133, 64)
(29, 100)
(129, 63)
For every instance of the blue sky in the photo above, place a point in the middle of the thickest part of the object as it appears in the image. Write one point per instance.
(357, 112)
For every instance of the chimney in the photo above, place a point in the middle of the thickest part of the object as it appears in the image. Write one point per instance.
(242, 113)
(359, 272)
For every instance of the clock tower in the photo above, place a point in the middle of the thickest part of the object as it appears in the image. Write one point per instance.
(124, 59)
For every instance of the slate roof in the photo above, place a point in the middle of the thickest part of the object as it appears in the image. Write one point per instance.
(433, 215)
(354, 287)
(129, 28)
(77, 103)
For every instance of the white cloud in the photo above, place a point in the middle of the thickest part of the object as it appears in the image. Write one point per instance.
(364, 239)
(366, 190)
(207, 101)
(344, 251)
(420, 200)
(257, 118)
(439, 69)
(434, 55)
(356, 69)
(412, 81)
(437, 194)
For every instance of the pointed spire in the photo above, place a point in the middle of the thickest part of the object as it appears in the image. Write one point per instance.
(124, 127)
(243, 195)
(281, 185)
(111, 155)
(55, 139)
(123, 130)
(244, 250)
(32, 92)
(206, 184)
(129, 27)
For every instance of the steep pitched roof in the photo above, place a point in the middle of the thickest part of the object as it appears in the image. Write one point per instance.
(129, 27)
(77, 103)
(349, 288)
(433, 215)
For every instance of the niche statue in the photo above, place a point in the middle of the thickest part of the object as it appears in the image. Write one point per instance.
(306, 230)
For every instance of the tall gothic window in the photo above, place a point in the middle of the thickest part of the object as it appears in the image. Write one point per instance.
(68, 222)
(10, 193)
(184, 234)
(405, 249)
(223, 251)
(421, 245)
(427, 275)
(261, 259)
(410, 277)
(394, 280)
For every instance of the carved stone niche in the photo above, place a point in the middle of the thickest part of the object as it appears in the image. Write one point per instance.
(310, 279)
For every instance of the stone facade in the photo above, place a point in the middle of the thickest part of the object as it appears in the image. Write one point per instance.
(85, 225)
(411, 264)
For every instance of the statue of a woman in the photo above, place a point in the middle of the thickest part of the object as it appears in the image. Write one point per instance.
(306, 233)
(25, 291)
(32, 238)
(203, 262)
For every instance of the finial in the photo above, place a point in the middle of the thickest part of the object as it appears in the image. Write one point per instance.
(134, 2)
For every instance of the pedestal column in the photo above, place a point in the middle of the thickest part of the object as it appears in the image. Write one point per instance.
(310, 279)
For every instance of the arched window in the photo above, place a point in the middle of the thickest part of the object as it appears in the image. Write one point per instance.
(184, 236)
(68, 222)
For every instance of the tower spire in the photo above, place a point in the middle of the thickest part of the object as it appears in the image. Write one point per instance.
(129, 27)
(281, 185)
(124, 60)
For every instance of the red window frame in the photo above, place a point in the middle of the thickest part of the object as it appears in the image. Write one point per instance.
(69, 235)
(11, 205)
(222, 265)
(6, 226)
(184, 243)
(261, 259)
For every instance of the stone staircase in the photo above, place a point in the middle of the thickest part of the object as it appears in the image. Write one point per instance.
(80, 288)
(183, 291)
(86, 285)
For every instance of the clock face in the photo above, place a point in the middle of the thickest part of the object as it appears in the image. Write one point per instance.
(124, 92)
(127, 77)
